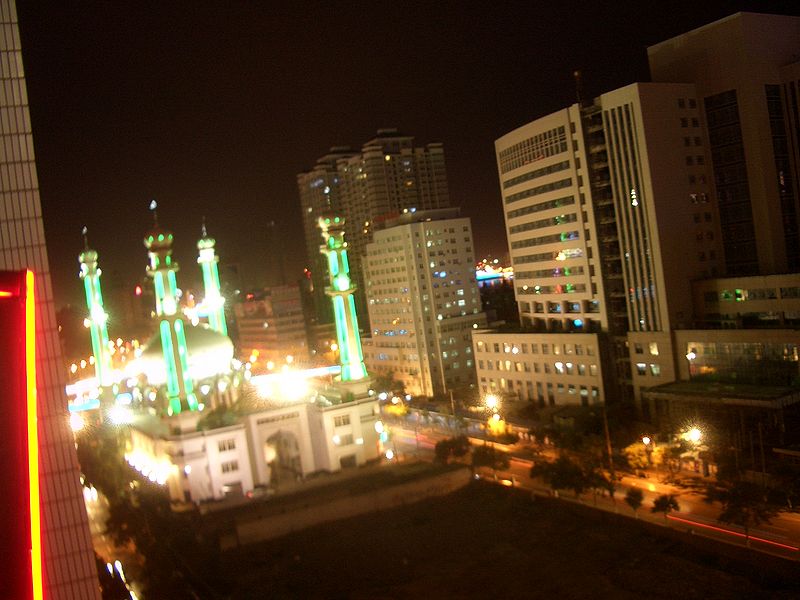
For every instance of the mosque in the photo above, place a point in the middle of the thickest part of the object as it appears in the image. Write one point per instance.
(198, 422)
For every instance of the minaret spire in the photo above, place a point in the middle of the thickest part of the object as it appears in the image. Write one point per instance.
(153, 207)
(341, 291)
(213, 302)
(180, 389)
(90, 274)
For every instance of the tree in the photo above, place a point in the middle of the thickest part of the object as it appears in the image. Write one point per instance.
(787, 482)
(665, 503)
(451, 447)
(486, 456)
(745, 504)
(634, 499)
(563, 474)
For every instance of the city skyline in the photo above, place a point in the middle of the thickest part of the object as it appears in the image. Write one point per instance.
(133, 104)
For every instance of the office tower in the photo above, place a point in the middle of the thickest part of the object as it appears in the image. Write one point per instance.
(389, 175)
(610, 213)
(745, 69)
(423, 301)
(271, 326)
(69, 567)
(552, 234)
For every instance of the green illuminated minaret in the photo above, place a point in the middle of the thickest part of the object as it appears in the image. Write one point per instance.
(170, 322)
(213, 302)
(90, 273)
(341, 292)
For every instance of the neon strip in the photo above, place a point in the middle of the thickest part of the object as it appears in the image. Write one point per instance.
(33, 438)
(731, 532)
(5, 294)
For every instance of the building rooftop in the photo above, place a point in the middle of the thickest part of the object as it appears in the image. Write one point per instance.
(740, 394)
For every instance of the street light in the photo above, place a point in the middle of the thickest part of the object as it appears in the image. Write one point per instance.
(694, 435)
(492, 402)
(648, 448)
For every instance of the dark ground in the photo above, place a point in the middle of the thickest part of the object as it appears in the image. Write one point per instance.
(490, 542)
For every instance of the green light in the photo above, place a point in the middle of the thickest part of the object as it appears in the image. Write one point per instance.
(342, 283)
(333, 264)
(173, 387)
(191, 399)
(160, 237)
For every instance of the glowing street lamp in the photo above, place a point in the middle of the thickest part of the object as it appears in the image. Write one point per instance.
(492, 402)
(694, 435)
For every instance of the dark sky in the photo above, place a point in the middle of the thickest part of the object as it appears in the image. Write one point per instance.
(213, 108)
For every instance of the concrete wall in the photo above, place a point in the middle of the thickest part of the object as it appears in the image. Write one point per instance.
(350, 506)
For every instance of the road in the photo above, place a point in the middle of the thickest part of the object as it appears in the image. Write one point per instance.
(130, 562)
(781, 536)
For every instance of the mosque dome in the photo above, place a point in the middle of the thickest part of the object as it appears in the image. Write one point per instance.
(210, 354)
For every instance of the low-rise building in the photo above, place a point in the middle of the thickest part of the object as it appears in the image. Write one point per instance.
(546, 368)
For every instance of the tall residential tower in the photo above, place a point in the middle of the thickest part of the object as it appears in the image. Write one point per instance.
(389, 175)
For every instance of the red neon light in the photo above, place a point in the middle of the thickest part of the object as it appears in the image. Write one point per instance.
(5, 294)
(33, 438)
(736, 533)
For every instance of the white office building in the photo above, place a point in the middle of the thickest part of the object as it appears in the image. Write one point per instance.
(423, 301)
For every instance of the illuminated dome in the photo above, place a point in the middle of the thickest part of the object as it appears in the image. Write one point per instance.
(210, 354)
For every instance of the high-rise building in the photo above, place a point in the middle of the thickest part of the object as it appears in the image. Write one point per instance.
(623, 203)
(389, 175)
(271, 325)
(598, 202)
(746, 72)
(423, 300)
(68, 560)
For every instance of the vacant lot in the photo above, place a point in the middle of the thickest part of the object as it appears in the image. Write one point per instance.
(487, 542)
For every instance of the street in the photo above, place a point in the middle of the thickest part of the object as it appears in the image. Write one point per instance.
(780, 537)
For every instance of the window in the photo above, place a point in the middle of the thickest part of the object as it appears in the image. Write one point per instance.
(684, 122)
(230, 466)
(641, 368)
(346, 440)
(695, 122)
(681, 103)
(637, 347)
(225, 445)
(655, 370)
(341, 420)
(654, 348)
(593, 370)
(559, 368)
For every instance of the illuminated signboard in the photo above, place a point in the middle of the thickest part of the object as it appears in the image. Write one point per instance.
(21, 567)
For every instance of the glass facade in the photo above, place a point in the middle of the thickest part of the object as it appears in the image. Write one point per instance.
(730, 175)
(744, 362)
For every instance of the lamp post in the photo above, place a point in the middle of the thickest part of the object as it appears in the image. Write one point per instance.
(690, 356)
(648, 448)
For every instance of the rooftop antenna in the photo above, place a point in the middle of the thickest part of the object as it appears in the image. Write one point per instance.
(578, 75)
(205, 233)
(84, 233)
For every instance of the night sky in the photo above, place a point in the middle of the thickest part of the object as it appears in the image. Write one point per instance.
(213, 108)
